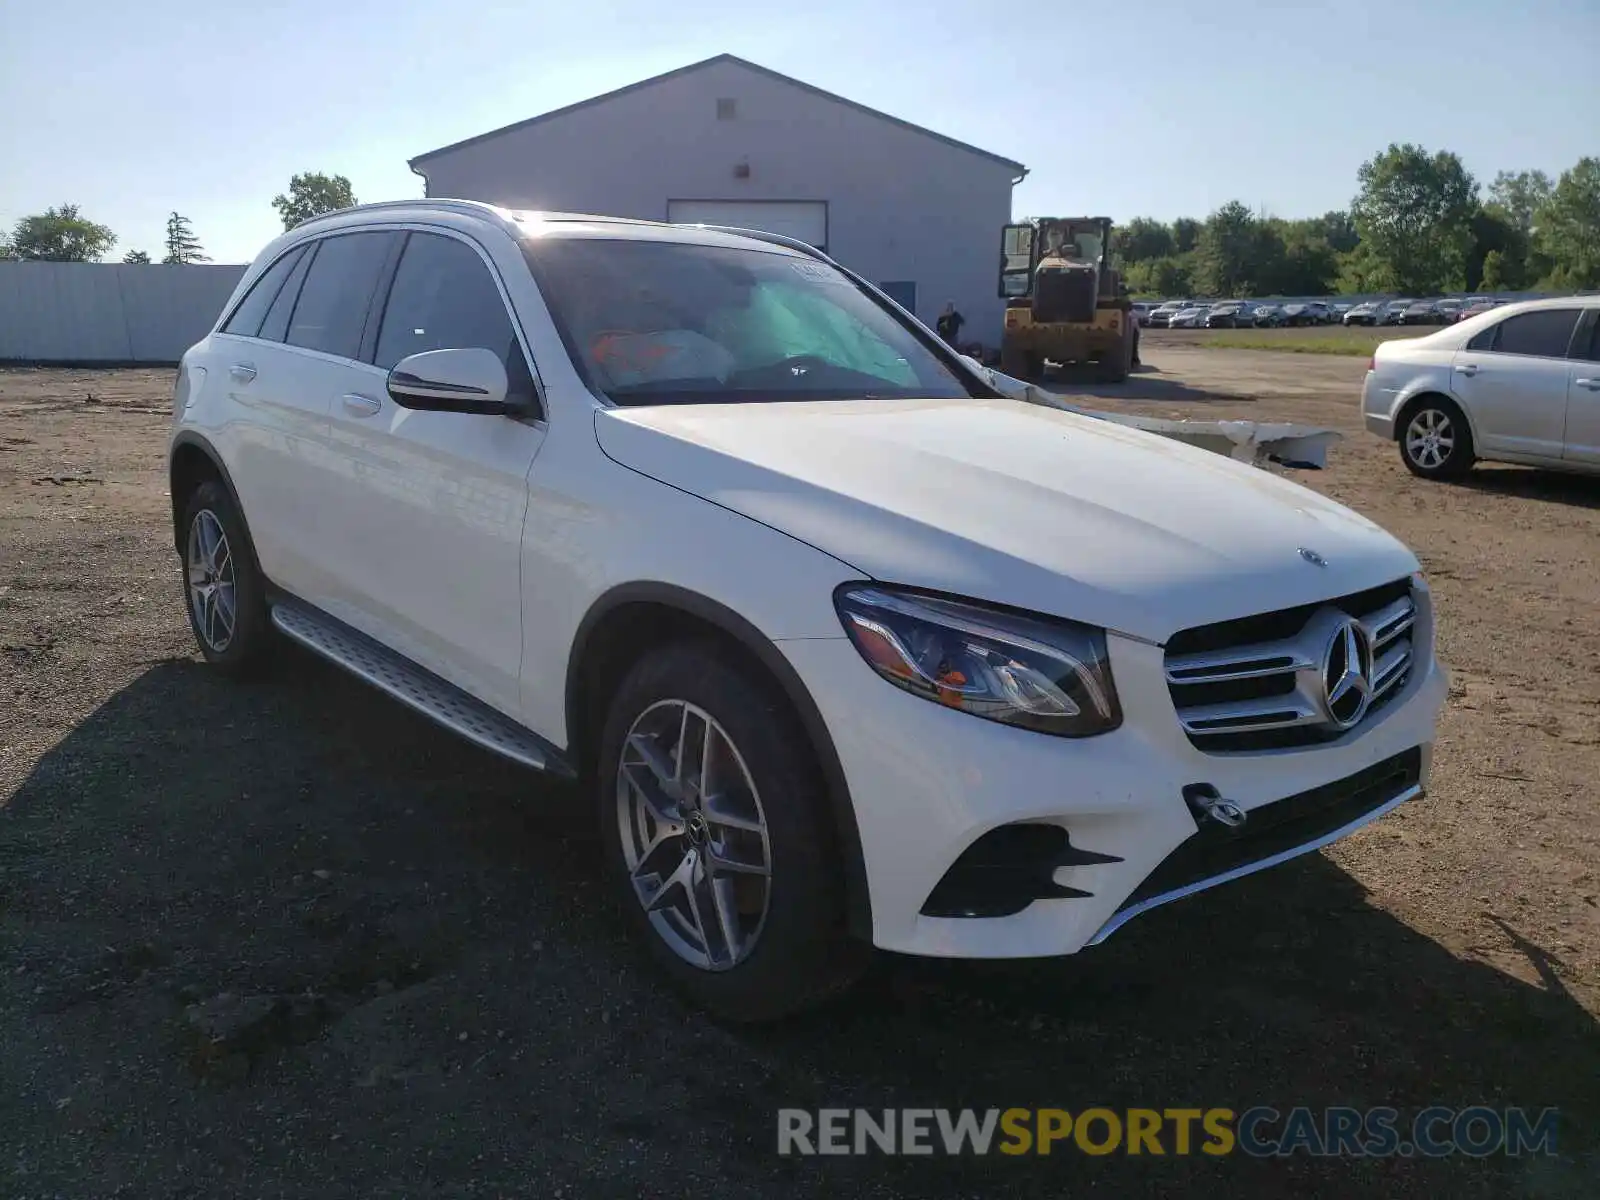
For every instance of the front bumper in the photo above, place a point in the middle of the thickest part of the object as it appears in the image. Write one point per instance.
(928, 782)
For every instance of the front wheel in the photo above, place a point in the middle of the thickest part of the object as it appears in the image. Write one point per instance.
(713, 813)
(1116, 365)
(1013, 362)
(1435, 441)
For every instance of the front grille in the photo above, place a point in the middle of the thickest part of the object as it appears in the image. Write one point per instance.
(1280, 826)
(1258, 682)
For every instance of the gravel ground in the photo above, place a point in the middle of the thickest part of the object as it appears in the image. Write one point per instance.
(286, 939)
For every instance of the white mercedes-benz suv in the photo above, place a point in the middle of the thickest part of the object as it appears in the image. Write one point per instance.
(845, 647)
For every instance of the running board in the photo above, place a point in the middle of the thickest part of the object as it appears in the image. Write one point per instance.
(417, 688)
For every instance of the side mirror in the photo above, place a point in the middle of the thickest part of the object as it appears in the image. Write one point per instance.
(460, 381)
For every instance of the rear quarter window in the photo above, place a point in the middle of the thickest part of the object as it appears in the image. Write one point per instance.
(1543, 333)
(252, 310)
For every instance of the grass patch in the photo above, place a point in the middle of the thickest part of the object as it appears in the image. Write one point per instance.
(1355, 342)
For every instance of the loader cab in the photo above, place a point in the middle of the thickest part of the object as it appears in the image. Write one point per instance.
(1057, 267)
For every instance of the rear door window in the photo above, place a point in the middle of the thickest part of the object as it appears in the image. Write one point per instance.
(246, 319)
(1543, 333)
(334, 301)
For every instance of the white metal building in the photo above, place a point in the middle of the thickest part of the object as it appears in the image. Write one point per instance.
(733, 143)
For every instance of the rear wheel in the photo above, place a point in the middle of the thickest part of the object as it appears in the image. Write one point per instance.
(1435, 441)
(223, 586)
(712, 808)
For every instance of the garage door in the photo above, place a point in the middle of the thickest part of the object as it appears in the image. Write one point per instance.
(804, 220)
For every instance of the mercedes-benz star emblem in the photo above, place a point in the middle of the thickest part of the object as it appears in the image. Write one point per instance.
(1312, 557)
(1347, 674)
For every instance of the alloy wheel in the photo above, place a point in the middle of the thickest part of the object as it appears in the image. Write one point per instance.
(694, 836)
(209, 562)
(1430, 438)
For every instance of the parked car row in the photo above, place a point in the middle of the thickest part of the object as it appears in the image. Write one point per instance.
(1240, 314)
(1420, 312)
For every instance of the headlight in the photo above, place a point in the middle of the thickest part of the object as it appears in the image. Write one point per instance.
(1037, 672)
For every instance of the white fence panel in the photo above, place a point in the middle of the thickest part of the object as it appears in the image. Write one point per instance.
(107, 312)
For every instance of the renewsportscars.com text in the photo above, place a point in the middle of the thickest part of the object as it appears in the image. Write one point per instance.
(1259, 1132)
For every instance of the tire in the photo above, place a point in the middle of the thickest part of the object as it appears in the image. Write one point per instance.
(1115, 366)
(224, 591)
(1013, 362)
(1137, 361)
(1434, 438)
(774, 945)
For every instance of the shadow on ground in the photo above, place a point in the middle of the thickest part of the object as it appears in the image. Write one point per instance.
(440, 1002)
(1146, 384)
(1529, 483)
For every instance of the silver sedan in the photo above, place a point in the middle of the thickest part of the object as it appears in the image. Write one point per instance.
(1518, 384)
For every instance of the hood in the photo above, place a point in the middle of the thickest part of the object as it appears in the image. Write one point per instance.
(1016, 504)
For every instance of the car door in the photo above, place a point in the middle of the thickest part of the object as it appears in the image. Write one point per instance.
(1583, 393)
(1513, 379)
(315, 329)
(426, 521)
(276, 423)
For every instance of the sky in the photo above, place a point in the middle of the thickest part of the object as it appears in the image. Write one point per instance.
(1162, 108)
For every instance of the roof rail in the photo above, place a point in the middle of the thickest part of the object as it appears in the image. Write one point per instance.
(474, 207)
(777, 239)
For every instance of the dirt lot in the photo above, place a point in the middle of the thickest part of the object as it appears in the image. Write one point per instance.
(401, 945)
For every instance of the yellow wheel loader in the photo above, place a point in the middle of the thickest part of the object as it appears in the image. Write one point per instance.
(1065, 302)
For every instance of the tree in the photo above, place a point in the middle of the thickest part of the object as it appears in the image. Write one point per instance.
(1338, 230)
(1494, 232)
(1566, 227)
(1185, 233)
(182, 245)
(312, 194)
(1142, 239)
(1520, 194)
(1298, 258)
(1493, 278)
(61, 234)
(136, 256)
(1160, 277)
(1415, 211)
(1361, 270)
(1228, 254)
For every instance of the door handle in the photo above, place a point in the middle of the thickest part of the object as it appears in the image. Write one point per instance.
(242, 372)
(360, 406)
(1592, 384)
(1468, 368)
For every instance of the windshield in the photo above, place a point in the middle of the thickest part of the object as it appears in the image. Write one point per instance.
(1063, 239)
(652, 322)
